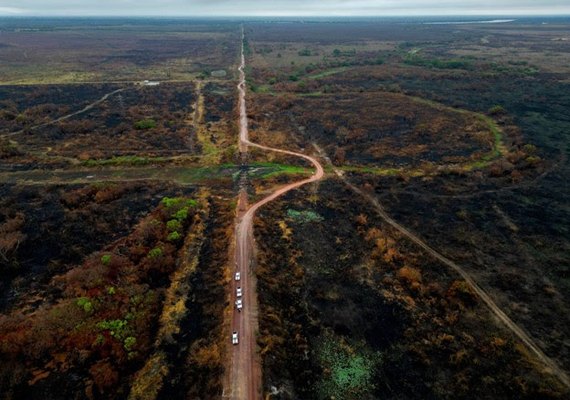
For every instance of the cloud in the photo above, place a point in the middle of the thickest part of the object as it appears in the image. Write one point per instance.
(281, 7)
(11, 10)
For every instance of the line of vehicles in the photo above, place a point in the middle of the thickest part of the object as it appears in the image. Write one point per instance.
(238, 304)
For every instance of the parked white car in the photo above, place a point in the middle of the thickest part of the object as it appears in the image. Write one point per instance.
(238, 276)
(235, 339)
(238, 291)
(239, 304)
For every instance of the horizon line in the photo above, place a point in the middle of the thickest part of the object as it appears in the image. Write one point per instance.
(281, 16)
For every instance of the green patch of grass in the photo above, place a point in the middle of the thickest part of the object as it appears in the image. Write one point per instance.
(304, 216)
(269, 170)
(125, 160)
(348, 370)
(498, 146)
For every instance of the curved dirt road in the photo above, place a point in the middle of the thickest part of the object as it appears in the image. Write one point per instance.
(550, 364)
(244, 380)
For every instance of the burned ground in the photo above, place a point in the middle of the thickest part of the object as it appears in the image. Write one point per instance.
(336, 276)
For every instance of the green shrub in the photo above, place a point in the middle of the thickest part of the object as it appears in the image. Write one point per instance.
(181, 214)
(173, 236)
(106, 259)
(169, 202)
(174, 225)
(155, 253)
(85, 303)
(129, 343)
(145, 124)
(191, 203)
(117, 327)
(304, 53)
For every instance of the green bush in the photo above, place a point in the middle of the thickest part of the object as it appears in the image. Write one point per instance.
(145, 124)
(85, 303)
(181, 214)
(155, 253)
(174, 225)
(117, 327)
(191, 203)
(169, 202)
(173, 236)
(106, 259)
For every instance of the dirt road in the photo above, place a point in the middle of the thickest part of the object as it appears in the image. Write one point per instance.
(519, 332)
(55, 121)
(244, 378)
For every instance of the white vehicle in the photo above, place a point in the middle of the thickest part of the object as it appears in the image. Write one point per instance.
(239, 304)
(235, 339)
(238, 291)
(238, 276)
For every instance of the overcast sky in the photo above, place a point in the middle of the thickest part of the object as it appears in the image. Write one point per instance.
(283, 7)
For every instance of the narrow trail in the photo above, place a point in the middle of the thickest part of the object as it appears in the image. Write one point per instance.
(244, 379)
(551, 366)
(73, 114)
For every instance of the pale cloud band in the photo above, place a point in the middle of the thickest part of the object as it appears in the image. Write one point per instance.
(282, 7)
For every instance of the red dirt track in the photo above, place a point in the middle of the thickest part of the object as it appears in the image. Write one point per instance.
(244, 378)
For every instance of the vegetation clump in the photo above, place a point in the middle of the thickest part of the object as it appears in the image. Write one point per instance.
(85, 304)
(348, 371)
(437, 63)
(156, 252)
(304, 217)
(145, 124)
